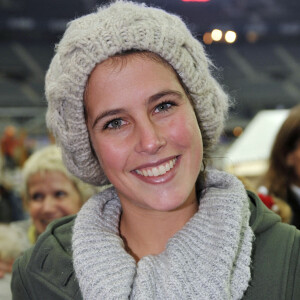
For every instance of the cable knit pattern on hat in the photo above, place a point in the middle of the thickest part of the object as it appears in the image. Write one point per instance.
(208, 259)
(93, 38)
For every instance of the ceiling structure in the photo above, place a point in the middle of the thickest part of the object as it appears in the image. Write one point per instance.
(260, 71)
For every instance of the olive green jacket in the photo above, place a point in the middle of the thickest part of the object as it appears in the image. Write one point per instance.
(46, 271)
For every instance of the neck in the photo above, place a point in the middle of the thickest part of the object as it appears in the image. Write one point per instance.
(146, 232)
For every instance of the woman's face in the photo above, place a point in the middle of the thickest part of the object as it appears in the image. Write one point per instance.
(144, 132)
(293, 160)
(51, 196)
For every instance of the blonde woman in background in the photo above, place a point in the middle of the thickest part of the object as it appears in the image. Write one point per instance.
(49, 192)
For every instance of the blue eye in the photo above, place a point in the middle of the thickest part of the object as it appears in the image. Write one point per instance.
(60, 194)
(37, 197)
(164, 106)
(114, 124)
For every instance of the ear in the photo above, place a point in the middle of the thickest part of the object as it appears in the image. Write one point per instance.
(290, 159)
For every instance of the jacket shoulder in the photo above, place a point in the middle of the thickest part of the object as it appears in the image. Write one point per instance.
(46, 269)
(275, 255)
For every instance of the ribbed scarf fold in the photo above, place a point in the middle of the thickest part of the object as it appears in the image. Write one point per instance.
(209, 258)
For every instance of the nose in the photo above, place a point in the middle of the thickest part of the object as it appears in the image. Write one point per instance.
(150, 138)
(49, 205)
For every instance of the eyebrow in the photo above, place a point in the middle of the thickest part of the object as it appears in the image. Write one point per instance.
(151, 99)
(107, 113)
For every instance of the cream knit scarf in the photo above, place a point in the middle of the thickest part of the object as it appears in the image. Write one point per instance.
(208, 259)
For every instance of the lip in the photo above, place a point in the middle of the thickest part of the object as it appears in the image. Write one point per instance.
(46, 222)
(155, 164)
(161, 178)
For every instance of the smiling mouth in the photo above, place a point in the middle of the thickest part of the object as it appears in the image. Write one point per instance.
(46, 222)
(158, 170)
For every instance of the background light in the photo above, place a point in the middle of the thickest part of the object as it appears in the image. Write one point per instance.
(207, 38)
(230, 36)
(237, 131)
(252, 36)
(216, 35)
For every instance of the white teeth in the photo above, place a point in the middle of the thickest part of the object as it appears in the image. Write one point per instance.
(162, 170)
(157, 171)
(150, 173)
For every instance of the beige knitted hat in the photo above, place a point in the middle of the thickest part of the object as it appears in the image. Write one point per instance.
(93, 38)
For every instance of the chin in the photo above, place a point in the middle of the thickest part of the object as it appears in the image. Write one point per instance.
(165, 206)
(40, 229)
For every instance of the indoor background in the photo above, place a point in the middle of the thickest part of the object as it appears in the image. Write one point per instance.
(259, 64)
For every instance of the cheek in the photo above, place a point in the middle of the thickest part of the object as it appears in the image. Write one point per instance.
(69, 206)
(293, 160)
(185, 131)
(34, 209)
(297, 163)
(112, 154)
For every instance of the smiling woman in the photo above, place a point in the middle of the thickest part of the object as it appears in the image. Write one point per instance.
(49, 191)
(132, 102)
(140, 122)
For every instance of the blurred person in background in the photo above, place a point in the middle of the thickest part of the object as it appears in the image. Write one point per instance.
(282, 178)
(25, 147)
(132, 102)
(277, 205)
(49, 192)
(11, 208)
(8, 143)
(16, 147)
(12, 242)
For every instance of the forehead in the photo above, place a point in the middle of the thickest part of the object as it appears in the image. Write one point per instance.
(140, 74)
(118, 62)
(52, 177)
